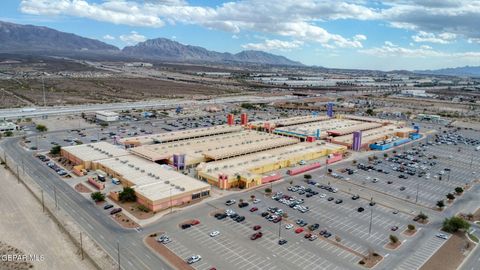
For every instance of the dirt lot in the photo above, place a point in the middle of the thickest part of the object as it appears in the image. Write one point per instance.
(450, 255)
(25, 227)
(80, 90)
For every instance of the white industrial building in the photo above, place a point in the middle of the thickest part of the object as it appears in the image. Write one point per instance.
(7, 126)
(106, 116)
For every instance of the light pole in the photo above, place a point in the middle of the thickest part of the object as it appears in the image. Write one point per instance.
(416, 197)
(279, 229)
(118, 255)
(371, 219)
(171, 206)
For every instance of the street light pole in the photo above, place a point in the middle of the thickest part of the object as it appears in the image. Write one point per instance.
(279, 229)
(118, 255)
(371, 219)
(171, 206)
(416, 197)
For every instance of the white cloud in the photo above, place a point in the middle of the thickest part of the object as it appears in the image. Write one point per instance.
(389, 50)
(298, 17)
(442, 38)
(132, 38)
(235, 37)
(108, 37)
(273, 44)
(389, 43)
(360, 37)
(473, 40)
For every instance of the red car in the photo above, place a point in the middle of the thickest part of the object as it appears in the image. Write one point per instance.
(299, 230)
(308, 235)
(257, 227)
(195, 222)
(253, 209)
(256, 235)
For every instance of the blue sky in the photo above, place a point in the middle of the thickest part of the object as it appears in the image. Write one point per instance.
(385, 35)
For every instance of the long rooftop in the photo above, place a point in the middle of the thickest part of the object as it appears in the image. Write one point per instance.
(95, 151)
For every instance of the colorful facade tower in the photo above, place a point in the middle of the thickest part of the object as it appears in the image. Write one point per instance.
(179, 161)
(230, 119)
(330, 109)
(357, 141)
(244, 119)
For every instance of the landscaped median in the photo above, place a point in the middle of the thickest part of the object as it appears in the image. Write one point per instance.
(451, 254)
(161, 250)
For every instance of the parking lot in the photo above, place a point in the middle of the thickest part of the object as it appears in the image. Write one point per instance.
(439, 169)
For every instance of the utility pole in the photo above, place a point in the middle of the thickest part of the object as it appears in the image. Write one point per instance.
(471, 161)
(118, 255)
(81, 245)
(55, 195)
(43, 202)
(44, 98)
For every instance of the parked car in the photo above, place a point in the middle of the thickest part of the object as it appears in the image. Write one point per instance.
(214, 233)
(253, 209)
(442, 236)
(257, 227)
(230, 202)
(107, 206)
(193, 259)
(282, 242)
(115, 211)
(256, 235)
(299, 230)
(355, 197)
(243, 204)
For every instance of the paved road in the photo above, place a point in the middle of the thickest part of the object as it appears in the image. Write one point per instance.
(134, 254)
(171, 103)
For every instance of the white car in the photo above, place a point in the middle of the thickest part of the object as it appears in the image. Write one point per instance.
(323, 195)
(256, 201)
(442, 236)
(214, 233)
(194, 259)
(288, 226)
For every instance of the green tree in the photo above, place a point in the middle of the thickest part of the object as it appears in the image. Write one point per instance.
(28, 119)
(450, 196)
(55, 150)
(307, 176)
(440, 204)
(97, 196)
(268, 190)
(411, 227)
(422, 216)
(8, 133)
(459, 190)
(369, 111)
(454, 224)
(41, 128)
(127, 195)
(393, 238)
(252, 197)
(385, 155)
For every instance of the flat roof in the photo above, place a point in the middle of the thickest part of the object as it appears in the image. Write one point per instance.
(180, 135)
(151, 180)
(95, 151)
(107, 113)
(246, 163)
(373, 134)
(325, 127)
(213, 147)
(350, 129)
(290, 121)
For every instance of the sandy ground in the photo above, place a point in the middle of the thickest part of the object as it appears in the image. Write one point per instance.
(63, 122)
(24, 226)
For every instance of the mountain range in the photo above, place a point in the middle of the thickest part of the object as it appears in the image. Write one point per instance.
(38, 39)
(468, 71)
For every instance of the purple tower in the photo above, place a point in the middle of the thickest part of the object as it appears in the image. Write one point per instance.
(179, 161)
(330, 109)
(357, 141)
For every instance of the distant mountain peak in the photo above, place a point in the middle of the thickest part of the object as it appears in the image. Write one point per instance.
(471, 71)
(166, 49)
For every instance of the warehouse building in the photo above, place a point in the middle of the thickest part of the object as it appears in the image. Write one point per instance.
(105, 116)
(211, 148)
(249, 170)
(85, 154)
(8, 126)
(156, 187)
(372, 136)
(178, 135)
